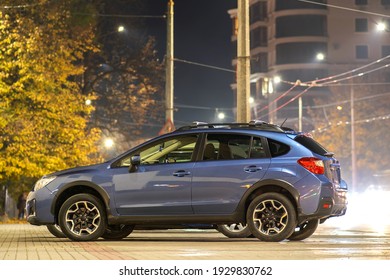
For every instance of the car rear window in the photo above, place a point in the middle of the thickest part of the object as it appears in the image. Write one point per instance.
(311, 144)
(277, 149)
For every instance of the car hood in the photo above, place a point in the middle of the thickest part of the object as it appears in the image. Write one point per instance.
(81, 169)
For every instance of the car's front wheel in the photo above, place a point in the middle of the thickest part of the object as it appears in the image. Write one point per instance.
(304, 230)
(117, 232)
(235, 230)
(82, 217)
(271, 217)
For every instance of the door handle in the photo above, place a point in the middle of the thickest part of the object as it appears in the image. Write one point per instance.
(181, 173)
(252, 168)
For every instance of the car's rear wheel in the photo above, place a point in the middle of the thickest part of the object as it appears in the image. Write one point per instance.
(237, 230)
(56, 230)
(304, 230)
(82, 217)
(117, 232)
(271, 217)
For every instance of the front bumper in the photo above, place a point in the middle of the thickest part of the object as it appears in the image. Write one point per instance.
(38, 207)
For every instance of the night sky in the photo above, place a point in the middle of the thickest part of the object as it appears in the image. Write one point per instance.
(203, 31)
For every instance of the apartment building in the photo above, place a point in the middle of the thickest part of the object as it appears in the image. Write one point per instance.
(302, 41)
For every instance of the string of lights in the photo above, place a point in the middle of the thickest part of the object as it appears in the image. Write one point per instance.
(340, 123)
(20, 6)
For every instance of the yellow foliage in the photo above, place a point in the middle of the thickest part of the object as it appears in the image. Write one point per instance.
(43, 116)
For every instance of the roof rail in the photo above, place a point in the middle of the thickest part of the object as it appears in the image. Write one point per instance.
(252, 124)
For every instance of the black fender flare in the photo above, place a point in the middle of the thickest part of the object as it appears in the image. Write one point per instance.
(264, 186)
(75, 187)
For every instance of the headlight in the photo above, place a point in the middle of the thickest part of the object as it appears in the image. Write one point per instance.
(43, 182)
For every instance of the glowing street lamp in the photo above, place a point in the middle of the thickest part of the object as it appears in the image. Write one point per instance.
(381, 26)
(277, 79)
(320, 56)
(108, 143)
(221, 116)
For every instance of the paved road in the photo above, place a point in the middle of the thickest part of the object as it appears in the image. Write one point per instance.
(330, 242)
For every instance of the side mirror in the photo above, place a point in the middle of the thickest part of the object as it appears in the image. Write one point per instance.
(135, 161)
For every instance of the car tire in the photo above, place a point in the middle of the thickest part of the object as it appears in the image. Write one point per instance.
(304, 230)
(271, 217)
(237, 230)
(117, 232)
(82, 217)
(56, 231)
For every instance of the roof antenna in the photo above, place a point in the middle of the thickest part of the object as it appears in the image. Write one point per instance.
(283, 122)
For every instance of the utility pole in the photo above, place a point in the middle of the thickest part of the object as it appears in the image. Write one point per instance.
(353, 144)
(300, 113)
(169, 66)
(243, 62)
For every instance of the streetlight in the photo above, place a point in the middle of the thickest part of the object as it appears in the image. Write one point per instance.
(320, 56)
(108, 143)
(221, 116)
(381, 26)
(121, 28)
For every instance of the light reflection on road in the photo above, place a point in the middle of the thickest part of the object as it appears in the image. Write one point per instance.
(369, 211)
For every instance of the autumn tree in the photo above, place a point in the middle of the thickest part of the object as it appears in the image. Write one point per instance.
(371, 99)
(43, 115)
(126, 76)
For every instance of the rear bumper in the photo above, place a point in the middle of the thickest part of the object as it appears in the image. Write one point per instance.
(332, 202)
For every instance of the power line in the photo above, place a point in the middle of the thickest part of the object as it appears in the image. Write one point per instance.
(204, 65)
(328, 80)
(342, 102)
(121, 16)
(344, 8)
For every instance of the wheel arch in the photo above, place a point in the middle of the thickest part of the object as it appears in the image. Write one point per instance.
(266, 186)
(77, 188)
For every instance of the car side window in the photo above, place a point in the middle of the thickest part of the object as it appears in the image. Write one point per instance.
(226, 146)
(168, 150)
(257, 149)
(277, 149)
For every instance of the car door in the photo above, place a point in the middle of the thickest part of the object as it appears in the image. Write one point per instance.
(161, 184)
(223, 175)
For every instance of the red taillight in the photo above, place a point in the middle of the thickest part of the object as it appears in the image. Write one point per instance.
(313, 164)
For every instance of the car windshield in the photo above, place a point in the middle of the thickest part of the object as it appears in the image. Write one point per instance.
(312, 145)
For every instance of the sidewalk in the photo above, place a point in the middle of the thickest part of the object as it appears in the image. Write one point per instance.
(27, 242)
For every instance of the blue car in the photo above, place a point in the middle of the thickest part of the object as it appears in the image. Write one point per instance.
(277, 183)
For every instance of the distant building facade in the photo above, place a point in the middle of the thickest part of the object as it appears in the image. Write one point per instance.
(298, 41)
